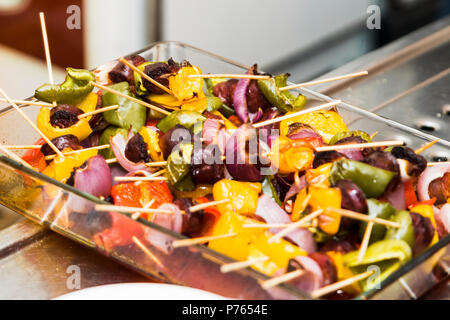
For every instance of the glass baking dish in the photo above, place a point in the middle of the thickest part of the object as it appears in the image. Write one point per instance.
(51, 203)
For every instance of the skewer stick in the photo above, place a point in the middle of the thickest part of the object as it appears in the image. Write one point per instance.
(107, 207)
(425, 147)
(202, 206)
(15, 157)
(363, 217)
(430, 164)
(295, 114)
(229, 75)
(22, 147)
(32, 124)
(312, 83)
(118, 93)
(156, 164)
(295, 225)
(68, 153)
(30, 103)
(136, 215)
(341, 284)
(147, 252)
(132, 179)
(241, 264)
(46, 47)
(200, 240)
(112, 160)
(373, 135)
(145, 76)
(361, 145)
(283, 278)
(101, 110)
(365, 241)
(156, 174)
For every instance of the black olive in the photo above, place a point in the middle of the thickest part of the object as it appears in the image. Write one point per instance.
(417, 163)
(64, 116)
(136, 149)
(173, 137)
(423, 232)
(353, 197)
(62, 142)
(321, 158)
(122, 72)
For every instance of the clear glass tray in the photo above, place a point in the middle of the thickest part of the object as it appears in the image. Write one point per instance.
(49, 202)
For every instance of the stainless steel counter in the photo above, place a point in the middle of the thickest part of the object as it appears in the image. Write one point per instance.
(408, 82)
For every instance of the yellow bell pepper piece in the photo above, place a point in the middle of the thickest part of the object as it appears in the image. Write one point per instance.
(300, 205)
(343, 272)
(323, 198)
(426, 211)
(228, 123)
(267, 267)
(88, 104)
(199, 105)
(234, 247)
(288, 158)
(151, 138)
(61, 168)
(319, 175)
(243, 196)
(185, 88)
(327, 123)
(165, 99)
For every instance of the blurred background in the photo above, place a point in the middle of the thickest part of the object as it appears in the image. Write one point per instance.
(305, 37)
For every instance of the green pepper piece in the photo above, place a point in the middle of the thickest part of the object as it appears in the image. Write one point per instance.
(344, 134)
(186, 184)
(405, 232)
(188, 119)
(377, 209)
(130, 115)
(179, 162)
(269, 189)
(387, 255)
(210, 83)
(372, 180)
(138, 83)
(214, 104)
(282, 100)
(109, 132)
(75, 88)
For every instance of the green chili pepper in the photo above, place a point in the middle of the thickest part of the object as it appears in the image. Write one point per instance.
(75, 87)
(189, 119)
(405, 232)
(130, 115)
(109, 132)
(269, 189)
(282, 100)
(387, 255)
(138, 83)
(179, 163)
(373, 181)
(345, 134)
(226, 110)
(214, 104)
(377, 209)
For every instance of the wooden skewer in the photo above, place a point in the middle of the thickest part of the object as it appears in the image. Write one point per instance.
(295, 225)
(312, 83)
(365, 241)
(430, 164)
(46, 47)
(295, 114)
(20, 147)
(283, 278)
(118, 93)
(145, 76)
(361, 145)
(136, 215)
(101, 110)
(149, 178)
(107, 207)
(158, 173)
(30, 103)
(425, 147)
(15, 157)
(147, 252)
(31, 124)
(363, 217)
(112, 160)
(373, 135)
(341, 284)
(229, 75)
(202, 206)
(68, 153)
(241, 264)
(200, 240)
(156, 164)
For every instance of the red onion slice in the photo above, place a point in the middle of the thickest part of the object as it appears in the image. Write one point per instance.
(442, 217)
(429, 175)
(211, 128)
(240, 99)
(118, 145)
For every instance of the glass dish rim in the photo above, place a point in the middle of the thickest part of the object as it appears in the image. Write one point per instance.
(404, 269)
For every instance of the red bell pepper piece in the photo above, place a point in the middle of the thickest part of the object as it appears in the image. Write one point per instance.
(35, 157)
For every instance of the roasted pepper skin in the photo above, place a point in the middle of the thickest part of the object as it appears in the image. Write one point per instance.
(405, 232)
(377, 209)
(130, 115)
(373, 181)
(345, 134)
(75, 87)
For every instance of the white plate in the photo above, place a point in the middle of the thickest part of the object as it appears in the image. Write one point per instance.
(140, 291)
